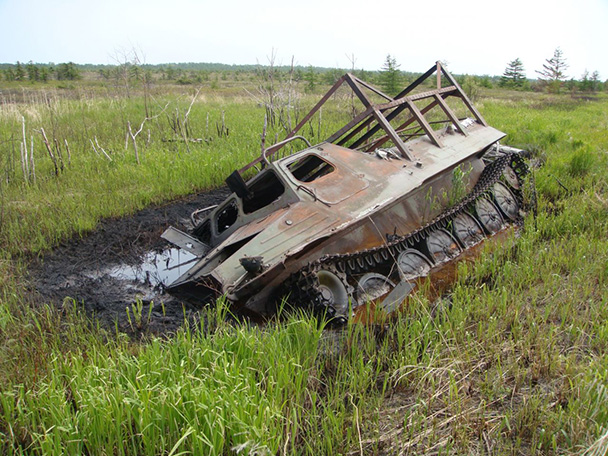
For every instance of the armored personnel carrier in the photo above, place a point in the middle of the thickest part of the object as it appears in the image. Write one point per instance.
(407, 185)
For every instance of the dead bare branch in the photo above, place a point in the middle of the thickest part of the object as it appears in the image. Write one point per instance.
(102, 150)
(133, 136)
(50, 151)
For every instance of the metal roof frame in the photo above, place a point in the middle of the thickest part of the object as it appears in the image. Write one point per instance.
(378, 116)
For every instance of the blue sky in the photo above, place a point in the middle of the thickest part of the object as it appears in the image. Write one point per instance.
(473, 36)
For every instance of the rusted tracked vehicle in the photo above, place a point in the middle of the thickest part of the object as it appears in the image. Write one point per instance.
(403, 187)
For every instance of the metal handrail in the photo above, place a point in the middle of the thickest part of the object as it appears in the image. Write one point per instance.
(200, 211)
(282, 143)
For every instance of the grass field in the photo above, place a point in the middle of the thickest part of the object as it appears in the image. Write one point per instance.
(518, 364)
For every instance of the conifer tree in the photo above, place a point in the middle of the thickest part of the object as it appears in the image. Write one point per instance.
(310, 78)
(514, 75)
(390, 76)
(554, 71)
(19, 72)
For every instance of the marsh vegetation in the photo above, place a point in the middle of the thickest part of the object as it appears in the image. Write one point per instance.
(516, 361)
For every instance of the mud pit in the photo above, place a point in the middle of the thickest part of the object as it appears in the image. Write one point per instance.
(121, 261)
(125, 260)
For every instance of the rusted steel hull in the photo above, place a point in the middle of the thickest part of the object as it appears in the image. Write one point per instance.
(329, 224)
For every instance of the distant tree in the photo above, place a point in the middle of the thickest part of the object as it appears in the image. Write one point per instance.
(147, 76)
(590, 83)
(390, 76)
(484, 81)
(169, 73)
(595, 81)
(104, 73)
(9, 74)
(585, 82)
(470, 85)
(571, 85)
(33, 72)
(331, 76)
(514, 75)
(19, 72)
(363, 75)
(553, 73)
(310, 78)
(44, 74)
(134, 71)
(67, 71)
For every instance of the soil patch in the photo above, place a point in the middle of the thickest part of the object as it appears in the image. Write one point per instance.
(103, 270)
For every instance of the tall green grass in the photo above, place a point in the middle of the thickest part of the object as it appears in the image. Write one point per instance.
(513, 361)
(203, 394)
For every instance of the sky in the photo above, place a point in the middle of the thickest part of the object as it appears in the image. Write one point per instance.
(472, 36)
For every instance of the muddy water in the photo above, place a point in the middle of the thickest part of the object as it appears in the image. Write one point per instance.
(121, 261)
(157, 269)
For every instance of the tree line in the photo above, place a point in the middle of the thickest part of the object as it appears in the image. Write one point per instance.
(40, 72)
(552, 77)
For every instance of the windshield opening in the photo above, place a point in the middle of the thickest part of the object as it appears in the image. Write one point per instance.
(264, 191)
(310, 168)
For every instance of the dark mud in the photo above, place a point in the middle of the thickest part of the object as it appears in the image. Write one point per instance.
(113, 268)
